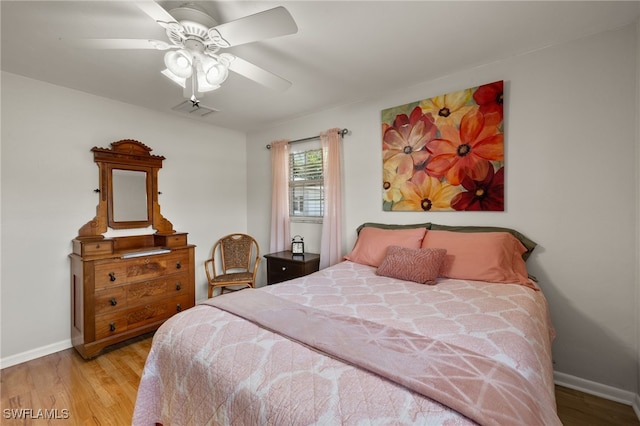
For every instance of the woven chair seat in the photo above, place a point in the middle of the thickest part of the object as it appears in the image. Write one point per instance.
(233, 277)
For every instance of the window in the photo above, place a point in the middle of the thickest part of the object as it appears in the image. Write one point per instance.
(306, 186)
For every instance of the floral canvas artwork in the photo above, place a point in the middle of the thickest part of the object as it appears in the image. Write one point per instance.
(445, 153)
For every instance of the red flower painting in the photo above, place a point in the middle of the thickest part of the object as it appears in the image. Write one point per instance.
(449, 148)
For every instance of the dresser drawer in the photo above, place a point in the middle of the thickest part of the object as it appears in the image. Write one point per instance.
(155, 266)
(180, 304)
(92, 248)
(146, 291)
(130, 295)
(177, 285)
(176, 240)
(111, 324)
(156, 311)
(110, 300)
(110, 274)
(149, 313)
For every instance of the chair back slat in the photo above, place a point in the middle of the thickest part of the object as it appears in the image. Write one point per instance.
(236, 251)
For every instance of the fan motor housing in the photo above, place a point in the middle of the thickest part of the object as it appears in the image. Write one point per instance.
(194, 45)
(195, 20)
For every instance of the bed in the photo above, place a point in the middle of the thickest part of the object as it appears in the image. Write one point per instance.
(375, 339)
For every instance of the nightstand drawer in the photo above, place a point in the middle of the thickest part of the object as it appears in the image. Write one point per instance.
(280, 270)
(285, 266)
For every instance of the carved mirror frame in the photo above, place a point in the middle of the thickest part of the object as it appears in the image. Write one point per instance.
(128, 155)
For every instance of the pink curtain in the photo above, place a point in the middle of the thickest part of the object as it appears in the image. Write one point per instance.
(280, 233)
(331, 246)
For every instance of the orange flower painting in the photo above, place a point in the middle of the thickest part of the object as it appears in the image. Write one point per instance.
(445, 153)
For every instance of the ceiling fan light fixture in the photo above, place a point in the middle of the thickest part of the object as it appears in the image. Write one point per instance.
(179, 63)
(195, 39)
(216, 74)
(226, 59)
(204, 85)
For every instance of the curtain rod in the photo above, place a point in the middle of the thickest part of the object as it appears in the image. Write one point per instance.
(341, 132)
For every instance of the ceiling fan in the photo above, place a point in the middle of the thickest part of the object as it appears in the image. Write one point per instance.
(193, 59)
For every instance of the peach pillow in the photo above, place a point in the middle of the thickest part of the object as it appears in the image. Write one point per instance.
(371, 246)
(419, 265)
(484, 256)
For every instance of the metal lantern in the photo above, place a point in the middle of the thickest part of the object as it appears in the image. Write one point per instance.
(297, 245)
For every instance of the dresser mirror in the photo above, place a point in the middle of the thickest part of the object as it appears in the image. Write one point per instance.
(129, 200)
(128, 190)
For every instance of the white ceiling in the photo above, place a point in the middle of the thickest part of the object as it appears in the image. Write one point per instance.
(344, 51)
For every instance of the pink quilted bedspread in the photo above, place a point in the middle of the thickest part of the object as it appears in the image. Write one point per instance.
(208, 366)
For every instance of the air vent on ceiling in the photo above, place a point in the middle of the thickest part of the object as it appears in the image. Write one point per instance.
(187, 107)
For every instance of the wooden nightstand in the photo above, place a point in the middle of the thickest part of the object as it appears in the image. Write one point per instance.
(284, 265)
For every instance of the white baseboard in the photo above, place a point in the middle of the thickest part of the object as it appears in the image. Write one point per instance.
(35, 353)
(598, 389)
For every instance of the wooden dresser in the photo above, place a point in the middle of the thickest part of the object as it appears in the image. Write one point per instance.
(125, 286)
(118, 293)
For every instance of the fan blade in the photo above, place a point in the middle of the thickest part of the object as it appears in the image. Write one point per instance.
(263, 25)
(155, 11)
(119, 43)
(259, 75)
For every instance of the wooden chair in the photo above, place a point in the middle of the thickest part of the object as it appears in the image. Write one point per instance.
(230, 263)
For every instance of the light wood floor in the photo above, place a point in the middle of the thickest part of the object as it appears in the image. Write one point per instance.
(103, 391)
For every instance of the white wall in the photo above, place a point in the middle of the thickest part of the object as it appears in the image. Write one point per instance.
(48, 177)
(571, 119)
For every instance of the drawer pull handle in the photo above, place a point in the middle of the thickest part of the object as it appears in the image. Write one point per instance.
(112, 276)
(178, 264)
(112, 326)
(178, 308)
(178, 286)
(284, 268)
(113, 301)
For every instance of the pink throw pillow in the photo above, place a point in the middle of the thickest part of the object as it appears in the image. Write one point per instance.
(371, 246)
(419, 265)
(482, 256)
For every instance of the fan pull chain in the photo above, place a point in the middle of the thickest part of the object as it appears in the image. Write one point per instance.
(194, 100)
